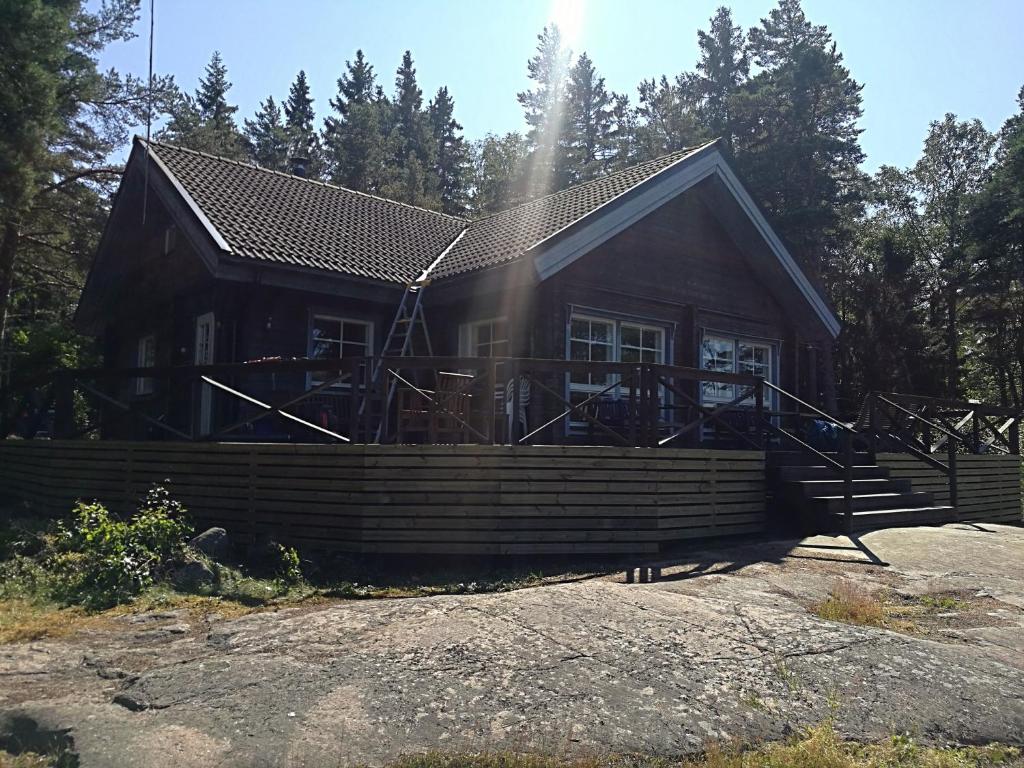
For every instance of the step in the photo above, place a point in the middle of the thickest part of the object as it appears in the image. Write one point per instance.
(821, 472)
(833, 487)
(894, 518)
(874, 501)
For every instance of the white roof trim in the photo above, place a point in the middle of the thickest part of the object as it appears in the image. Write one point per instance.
(207, 224)
(662, 188)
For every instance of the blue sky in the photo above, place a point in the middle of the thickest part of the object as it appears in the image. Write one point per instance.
(917, 59)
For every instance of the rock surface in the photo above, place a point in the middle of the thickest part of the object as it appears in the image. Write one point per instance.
(722, 647)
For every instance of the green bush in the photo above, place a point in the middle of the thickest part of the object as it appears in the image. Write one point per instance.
(289, 569)
(99, 560)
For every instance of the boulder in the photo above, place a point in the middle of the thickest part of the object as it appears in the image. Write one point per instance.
(193, 574)
(213, 542)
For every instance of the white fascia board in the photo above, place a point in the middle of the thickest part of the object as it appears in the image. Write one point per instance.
(193, 206)
(662, 189)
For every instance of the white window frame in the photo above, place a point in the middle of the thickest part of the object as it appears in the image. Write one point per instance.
(311, 341)
(145, 357)
(616, 323)
(468, 344)
(727, 392)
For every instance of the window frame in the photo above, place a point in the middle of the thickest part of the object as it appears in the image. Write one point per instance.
(736, 341)
(468, 344)
(312, 378)
(616, 321)
(145, 357)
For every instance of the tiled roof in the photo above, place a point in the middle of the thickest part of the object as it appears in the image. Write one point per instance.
(505, 236)
(273, 216)
(264, 214)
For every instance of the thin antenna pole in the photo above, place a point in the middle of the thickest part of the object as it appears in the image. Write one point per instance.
(149, 113)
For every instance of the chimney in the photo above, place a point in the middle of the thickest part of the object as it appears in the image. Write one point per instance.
(299, 166)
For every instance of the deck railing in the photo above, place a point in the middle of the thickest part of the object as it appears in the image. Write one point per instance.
(440, 399)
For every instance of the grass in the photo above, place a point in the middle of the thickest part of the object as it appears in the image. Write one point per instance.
(851, 604)
(819, 747)
(920, 615)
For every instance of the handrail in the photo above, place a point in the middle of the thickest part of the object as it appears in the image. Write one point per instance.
(794, 398)
(946, 432)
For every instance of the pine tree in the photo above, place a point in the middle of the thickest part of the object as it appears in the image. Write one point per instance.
(667, 118)
(205, 121)
(590, 122)
(796, 136)
(355, 137)
(723, 68)
(544, 110)
(266, 138)
(500, 164)
(452, 161)
(303, 139)
(410, 144)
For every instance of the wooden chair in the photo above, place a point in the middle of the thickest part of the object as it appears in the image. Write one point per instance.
(437, 414)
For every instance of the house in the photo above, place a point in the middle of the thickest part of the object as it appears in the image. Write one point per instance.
(209, 260)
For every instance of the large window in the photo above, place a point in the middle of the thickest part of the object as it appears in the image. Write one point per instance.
(484, 338)
(607, 340)
(338, 337)
(727, 354)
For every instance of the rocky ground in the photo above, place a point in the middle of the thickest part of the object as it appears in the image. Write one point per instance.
(723, 647)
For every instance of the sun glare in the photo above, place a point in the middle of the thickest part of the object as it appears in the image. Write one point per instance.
(568, 16)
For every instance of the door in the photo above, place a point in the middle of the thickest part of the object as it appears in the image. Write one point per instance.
(204, 356)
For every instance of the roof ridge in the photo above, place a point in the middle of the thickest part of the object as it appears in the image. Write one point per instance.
(685, 151)
(327, 184)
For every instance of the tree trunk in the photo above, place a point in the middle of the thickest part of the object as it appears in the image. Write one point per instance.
(952, 343)
(8, 252)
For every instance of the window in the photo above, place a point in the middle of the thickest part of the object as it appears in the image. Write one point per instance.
(484, 338)
(725, 354)
(599, 339)
(146, 358)
(336, 337)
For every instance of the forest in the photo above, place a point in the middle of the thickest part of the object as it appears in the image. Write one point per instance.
(923, 265)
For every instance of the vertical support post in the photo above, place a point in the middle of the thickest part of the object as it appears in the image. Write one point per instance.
(873, 423)
(953, 490)
(513, 432)
(1015, 436)
(848, 458)
(64, 406)
(383, 383)
(353, 416)
(490, 400)
(367, 399)
(634, 386)
(759, 436)
(975, 433)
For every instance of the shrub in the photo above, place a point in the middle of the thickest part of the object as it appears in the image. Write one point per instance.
(849, 603)
(98, 560)
(289, 569)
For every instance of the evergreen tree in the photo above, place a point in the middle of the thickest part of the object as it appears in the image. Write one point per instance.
(299, 122)
(723, 68)
(355, 136)
(796, 136)
(589, 122)
(410, 143)
(206, 121)
(452, 161)
(500, 164)
(266, 138)
(624, 151)
(544, 109)
(667, 118)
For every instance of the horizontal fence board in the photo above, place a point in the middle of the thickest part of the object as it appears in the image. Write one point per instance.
(465, 499)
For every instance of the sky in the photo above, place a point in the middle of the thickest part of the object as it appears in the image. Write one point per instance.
(917, 59)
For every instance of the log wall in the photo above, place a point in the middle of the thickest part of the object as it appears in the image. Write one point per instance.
(465, 499)
(988, 485)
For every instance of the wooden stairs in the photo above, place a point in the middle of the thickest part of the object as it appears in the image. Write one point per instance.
(808, 495)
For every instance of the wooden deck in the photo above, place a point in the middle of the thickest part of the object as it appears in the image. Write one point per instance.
(466, 499)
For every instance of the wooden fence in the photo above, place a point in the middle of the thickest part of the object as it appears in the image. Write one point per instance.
(988, 485)
(466, 499)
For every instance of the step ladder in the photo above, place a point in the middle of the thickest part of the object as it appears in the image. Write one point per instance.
(400, 341)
